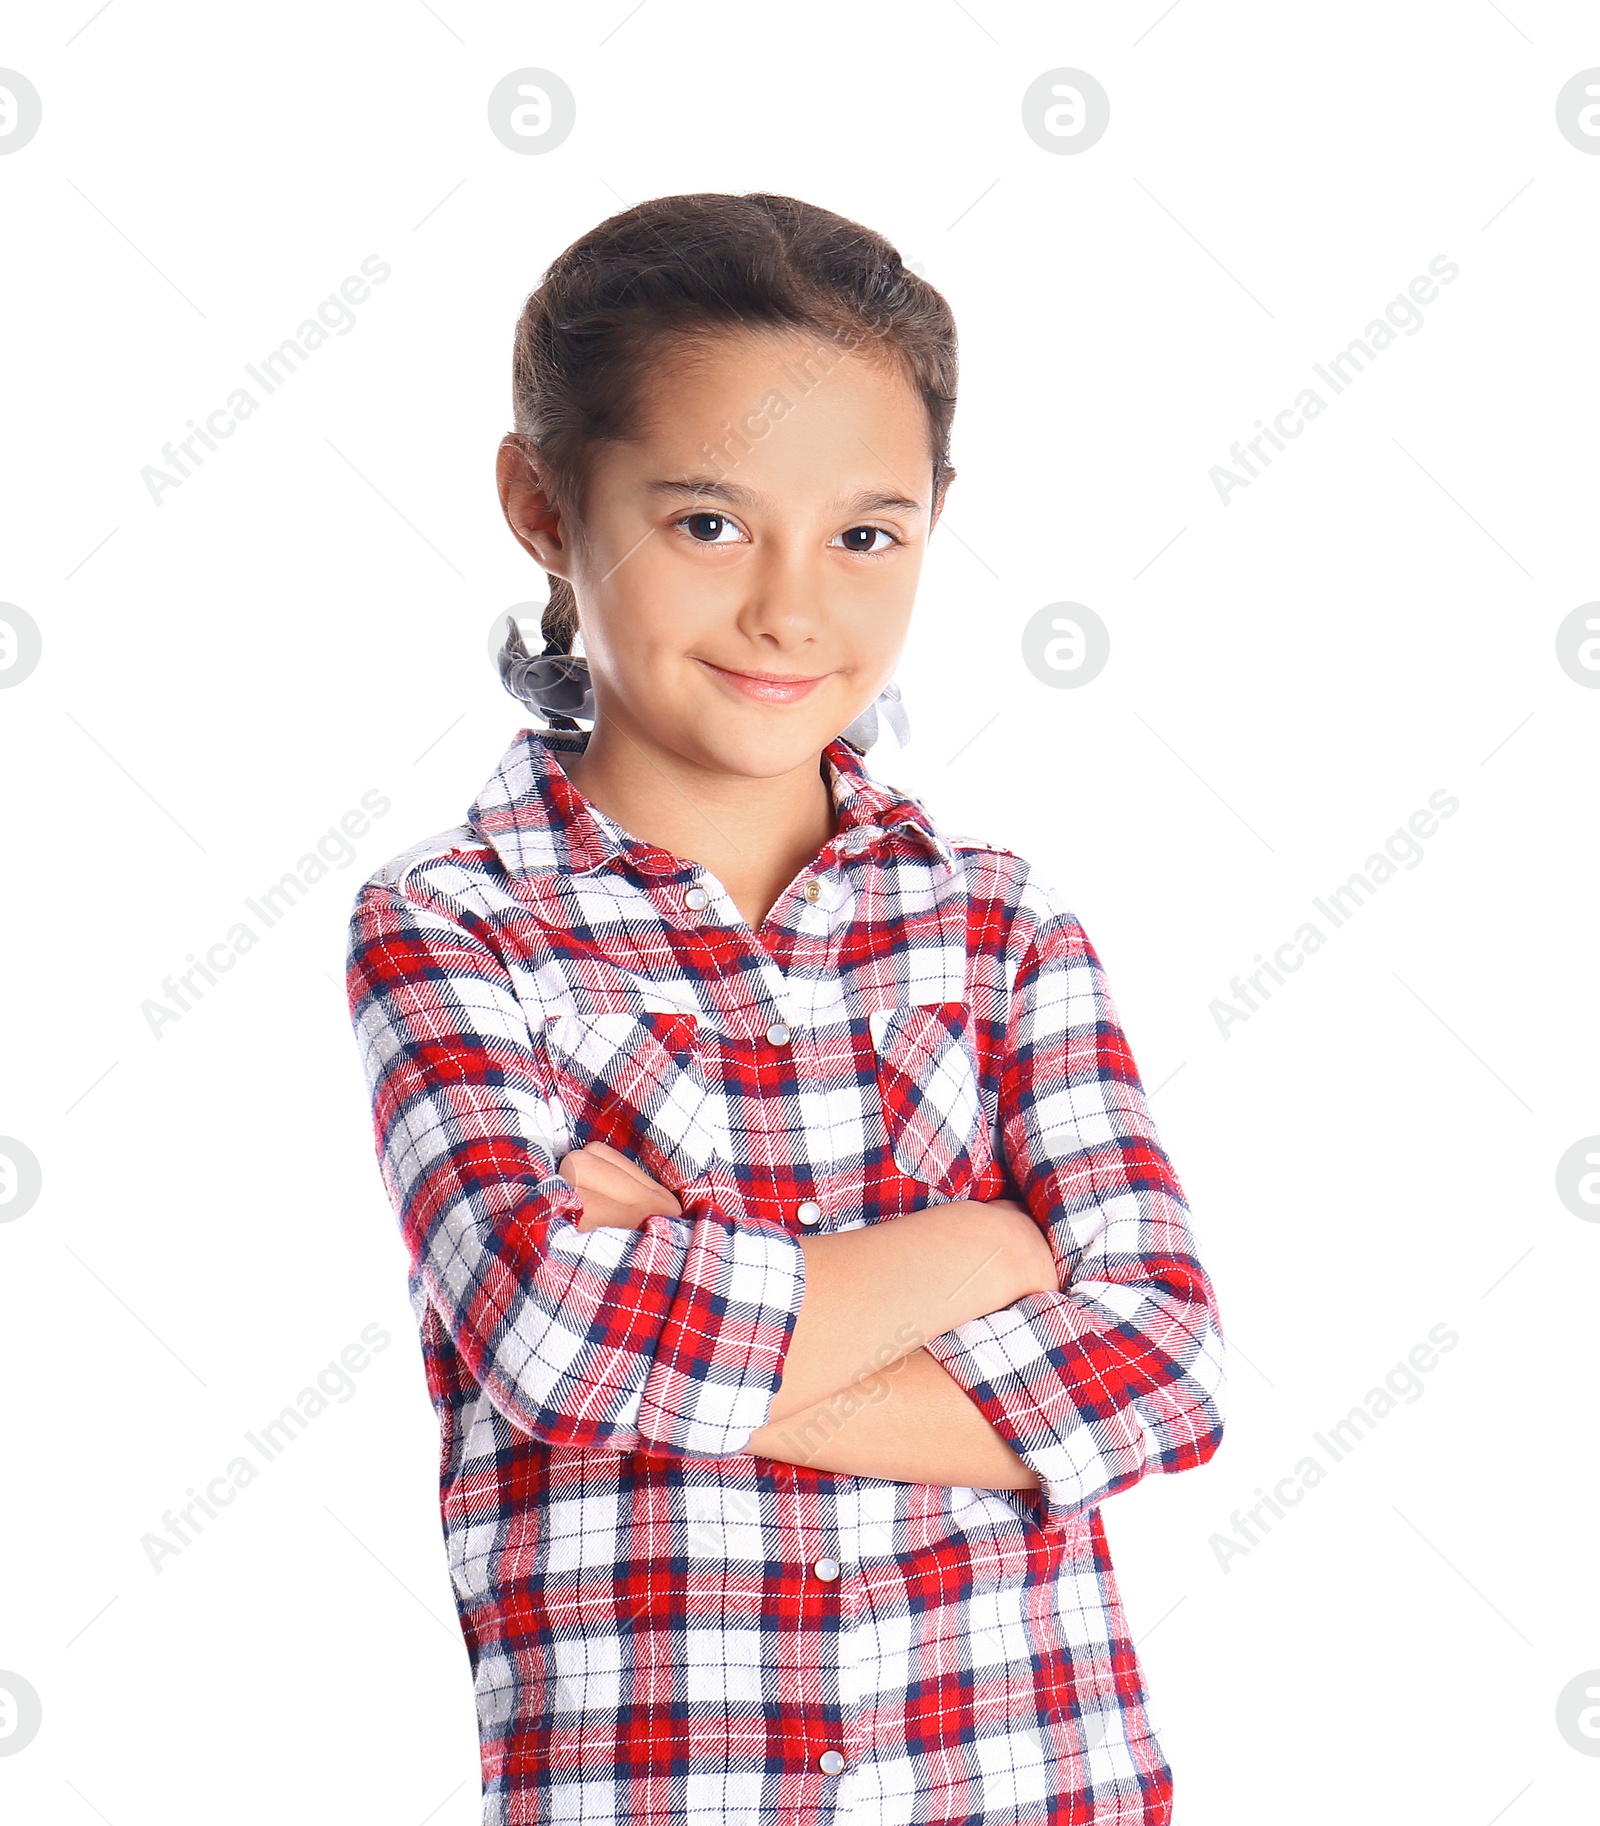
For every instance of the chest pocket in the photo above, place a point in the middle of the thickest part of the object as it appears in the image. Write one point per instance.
(928, 1086)
(636, 1079)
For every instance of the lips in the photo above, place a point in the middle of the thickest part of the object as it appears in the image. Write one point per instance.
(765, 690)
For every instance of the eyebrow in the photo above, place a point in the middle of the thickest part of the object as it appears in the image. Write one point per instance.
(868, 501)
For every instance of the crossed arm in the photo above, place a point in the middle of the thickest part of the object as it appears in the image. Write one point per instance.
(1087, 1348)
(858, 1393)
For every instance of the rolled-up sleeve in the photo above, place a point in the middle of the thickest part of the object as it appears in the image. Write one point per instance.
(1121, 1371)
(670, 1337)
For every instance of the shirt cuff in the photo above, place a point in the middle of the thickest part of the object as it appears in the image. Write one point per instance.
(725, 1332)
(1077, 1456)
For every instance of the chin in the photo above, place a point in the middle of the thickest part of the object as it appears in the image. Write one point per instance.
(759, 747)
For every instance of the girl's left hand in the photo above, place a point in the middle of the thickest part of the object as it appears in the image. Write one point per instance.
(616, 1192)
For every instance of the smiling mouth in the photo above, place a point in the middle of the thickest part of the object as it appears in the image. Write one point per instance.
(767, 687)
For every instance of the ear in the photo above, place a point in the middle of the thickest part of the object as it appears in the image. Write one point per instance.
(525, 501)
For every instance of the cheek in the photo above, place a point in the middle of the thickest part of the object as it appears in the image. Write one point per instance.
(877, 647)
(642, 636)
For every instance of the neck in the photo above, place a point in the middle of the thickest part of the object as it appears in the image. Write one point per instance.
(754, 835)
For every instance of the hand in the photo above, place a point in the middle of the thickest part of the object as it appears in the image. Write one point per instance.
(616, 1193)
(1027, 1247)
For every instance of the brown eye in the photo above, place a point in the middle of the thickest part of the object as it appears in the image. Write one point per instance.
(706, 528)
(868, 533)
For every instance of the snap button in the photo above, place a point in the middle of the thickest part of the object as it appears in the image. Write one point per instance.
(826, 1569)
(777, 1033)
(830, 1762)
(810, 1212)
(812, 891)
(696, 898)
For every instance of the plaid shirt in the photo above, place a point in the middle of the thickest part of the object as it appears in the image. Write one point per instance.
(662, 1627)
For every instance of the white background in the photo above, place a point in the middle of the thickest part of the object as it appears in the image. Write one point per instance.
(1371, 1154)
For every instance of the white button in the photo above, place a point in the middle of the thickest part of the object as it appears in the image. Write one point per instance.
(777, 1033)
(810, 1212)
(696, 898)
(830, 1762)
(812, 891)
(826, 1569)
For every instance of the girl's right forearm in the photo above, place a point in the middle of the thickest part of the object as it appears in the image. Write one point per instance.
(876, 1294)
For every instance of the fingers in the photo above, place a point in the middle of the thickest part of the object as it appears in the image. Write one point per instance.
(625, 1174)
(601, 1150)
(589, 1173)
(611, 1199)
(608, 1185)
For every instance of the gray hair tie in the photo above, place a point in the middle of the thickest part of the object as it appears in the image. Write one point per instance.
(863, 732)
(551, 682)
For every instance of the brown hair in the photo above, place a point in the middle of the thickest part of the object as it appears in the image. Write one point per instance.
(685, 269)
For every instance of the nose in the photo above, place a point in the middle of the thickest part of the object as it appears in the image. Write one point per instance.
(783, 608)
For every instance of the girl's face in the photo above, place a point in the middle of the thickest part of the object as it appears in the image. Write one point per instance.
(748, 563)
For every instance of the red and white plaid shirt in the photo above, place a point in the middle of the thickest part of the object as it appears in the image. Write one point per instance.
(663, 1628)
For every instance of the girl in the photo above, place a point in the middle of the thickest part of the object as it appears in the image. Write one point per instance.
(796, 1262)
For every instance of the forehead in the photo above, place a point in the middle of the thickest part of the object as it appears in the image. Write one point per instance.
(783, 402)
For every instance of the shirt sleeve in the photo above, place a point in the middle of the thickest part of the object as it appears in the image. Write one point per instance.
(1121, 1371)
(670, 1337)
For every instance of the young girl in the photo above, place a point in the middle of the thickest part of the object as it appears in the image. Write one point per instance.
(796, 1262)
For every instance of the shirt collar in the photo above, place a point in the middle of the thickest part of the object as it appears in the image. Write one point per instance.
(538, 823)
